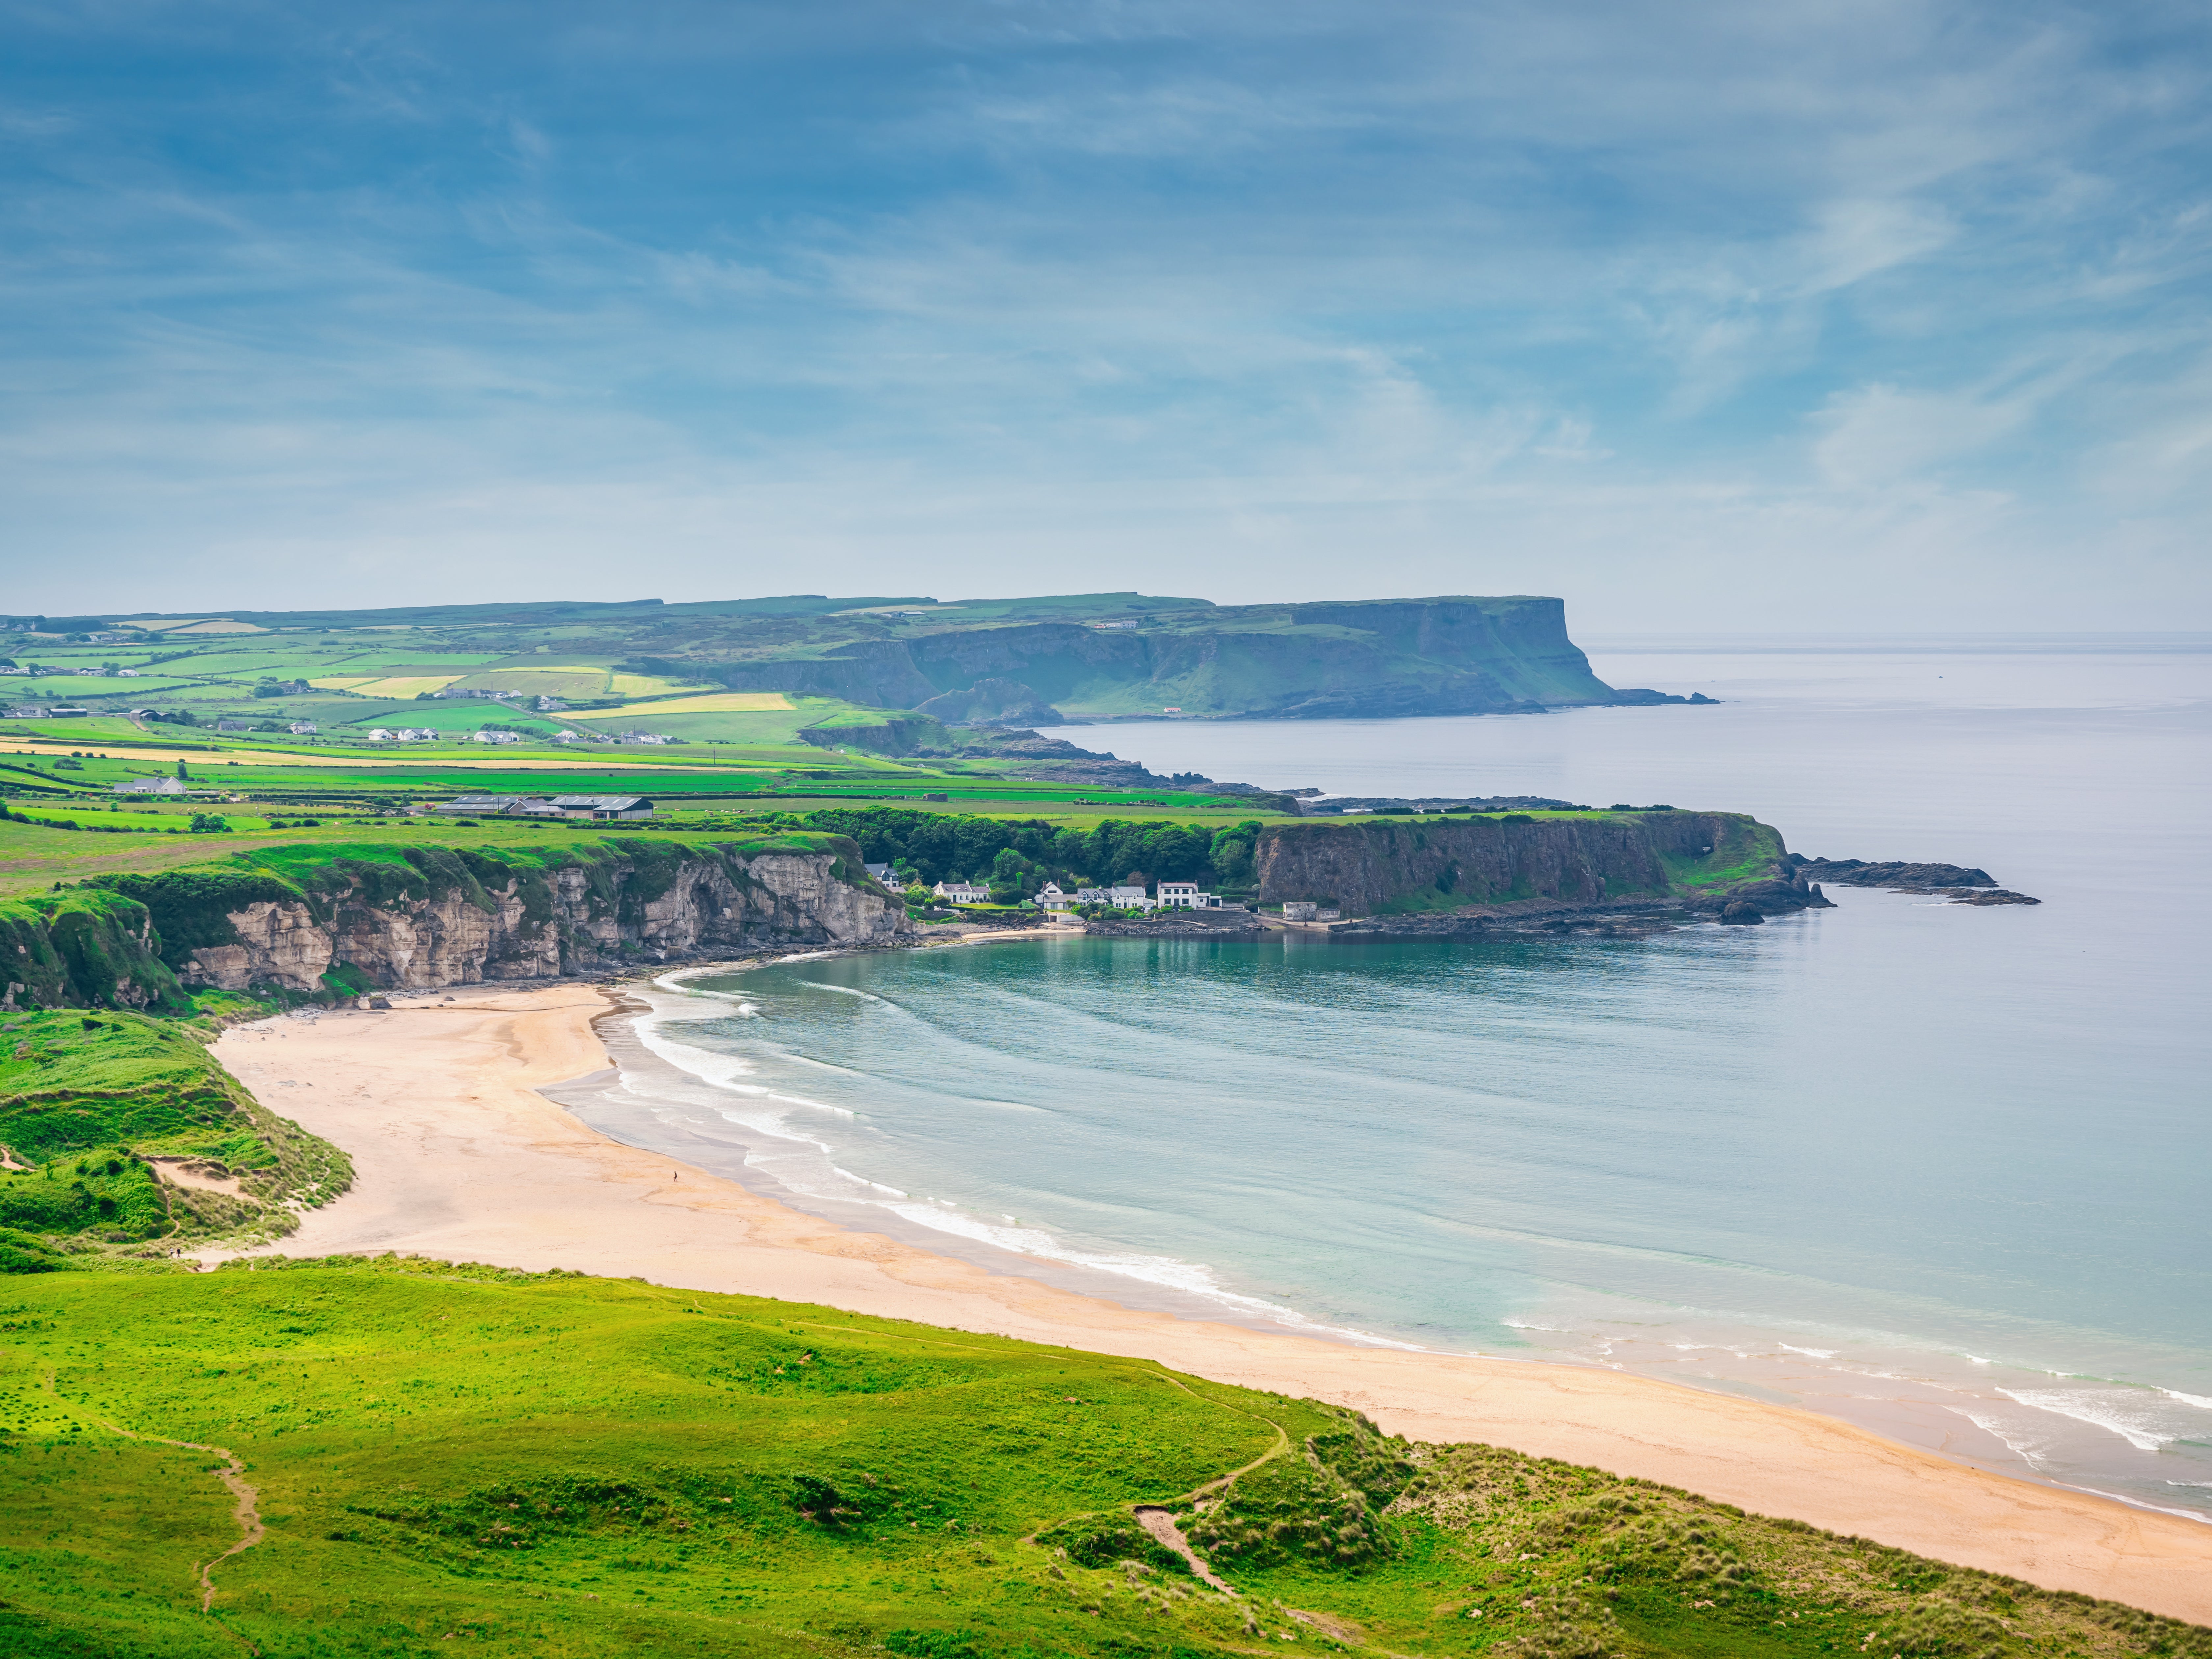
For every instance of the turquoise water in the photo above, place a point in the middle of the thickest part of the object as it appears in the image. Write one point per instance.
(1938, 1170)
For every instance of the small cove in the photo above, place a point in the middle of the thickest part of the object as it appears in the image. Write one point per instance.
(1934, 1170)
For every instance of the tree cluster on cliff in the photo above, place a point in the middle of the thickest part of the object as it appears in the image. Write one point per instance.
(1023, 854)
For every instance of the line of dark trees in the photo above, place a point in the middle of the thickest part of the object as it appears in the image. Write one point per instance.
(1019, 855)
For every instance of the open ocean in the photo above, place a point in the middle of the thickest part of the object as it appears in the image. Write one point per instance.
(1944, 1171)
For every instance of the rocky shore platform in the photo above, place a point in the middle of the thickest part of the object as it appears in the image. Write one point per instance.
(1957, 882)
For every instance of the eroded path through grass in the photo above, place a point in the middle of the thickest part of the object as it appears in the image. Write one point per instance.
(1159, 1519)
(247, 1513)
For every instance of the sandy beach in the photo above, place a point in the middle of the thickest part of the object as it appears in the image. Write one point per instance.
(458, 1156)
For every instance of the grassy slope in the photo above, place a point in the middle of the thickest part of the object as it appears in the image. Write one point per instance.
(86, 1099)
(562, 1466)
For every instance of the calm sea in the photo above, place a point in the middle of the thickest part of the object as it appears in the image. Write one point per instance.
(1945, 1171)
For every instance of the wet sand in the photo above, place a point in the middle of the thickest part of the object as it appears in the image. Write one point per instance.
(458, 1157)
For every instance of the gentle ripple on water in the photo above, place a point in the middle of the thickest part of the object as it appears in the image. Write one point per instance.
(1934, 1169)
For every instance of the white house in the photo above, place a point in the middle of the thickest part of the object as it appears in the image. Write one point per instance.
(1185, 896)
(151, 786)
(962, 892)
(126, 673)
(489, 736)
(1050, 897)
(1128, 898)
(302, 728)
(1094, 895)
(881, 873)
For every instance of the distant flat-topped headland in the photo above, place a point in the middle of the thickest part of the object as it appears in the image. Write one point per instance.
(1050, 660)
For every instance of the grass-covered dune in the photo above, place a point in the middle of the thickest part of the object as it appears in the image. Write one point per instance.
(558, 1466)
(91, 1104)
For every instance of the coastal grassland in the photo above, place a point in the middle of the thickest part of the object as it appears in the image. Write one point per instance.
(1746, 850)
(35, 854)
(89, 1102)
(561, 1466)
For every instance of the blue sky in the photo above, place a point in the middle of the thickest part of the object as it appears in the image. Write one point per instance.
(1772, 315)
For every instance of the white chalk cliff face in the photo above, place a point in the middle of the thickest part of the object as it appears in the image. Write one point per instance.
(607, 917)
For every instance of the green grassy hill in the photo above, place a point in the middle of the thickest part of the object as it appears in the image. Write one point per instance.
(556, 1465)
(90, 1103)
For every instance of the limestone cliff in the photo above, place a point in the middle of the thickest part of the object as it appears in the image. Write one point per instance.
(436, 916)
(1704, 861)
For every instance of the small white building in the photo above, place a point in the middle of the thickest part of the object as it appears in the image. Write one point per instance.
(126, 673)
(1299, 909)
(489, 736)
(1185, 896)
(962, 892)
(151, 786)
(302, 728)
(1050, 897)
(1129, 898)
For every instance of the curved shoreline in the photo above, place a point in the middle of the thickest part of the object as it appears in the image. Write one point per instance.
(458, 1157)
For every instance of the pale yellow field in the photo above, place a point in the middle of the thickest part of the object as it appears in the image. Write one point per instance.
(640, 685)
(207, 765)
(206, 625)
(713, 702)
(411, 685)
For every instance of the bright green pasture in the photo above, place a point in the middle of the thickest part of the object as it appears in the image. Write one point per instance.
(562, 1465)
(451, 715)
(568, 1467)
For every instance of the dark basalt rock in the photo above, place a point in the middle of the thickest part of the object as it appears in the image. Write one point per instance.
(1857, 873)
(1183, 924)
(1961, 884)
(1739, 913)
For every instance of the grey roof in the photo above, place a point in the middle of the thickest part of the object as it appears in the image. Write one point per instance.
(602, 802)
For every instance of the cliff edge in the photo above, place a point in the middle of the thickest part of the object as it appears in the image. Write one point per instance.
(1439, 874)
(347, 917)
